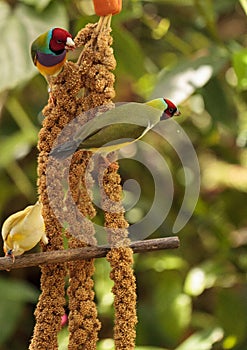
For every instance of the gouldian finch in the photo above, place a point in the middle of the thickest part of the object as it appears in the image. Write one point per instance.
(49, 51)
(117, 127)
(23, 230)
(168, 107)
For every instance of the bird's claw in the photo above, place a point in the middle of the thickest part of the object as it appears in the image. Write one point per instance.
(110, 164)
(10, 254)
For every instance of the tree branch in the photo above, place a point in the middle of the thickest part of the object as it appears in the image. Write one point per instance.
(60, 256)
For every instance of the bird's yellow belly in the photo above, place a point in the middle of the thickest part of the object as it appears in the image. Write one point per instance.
(20, 242)
(52, 70)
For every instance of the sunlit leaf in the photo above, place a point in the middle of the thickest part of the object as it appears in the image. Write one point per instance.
(207, 275)
(161, 263)
(203, 340)
(240, 67)
(148, 348)
(195, 282)
(63, 339)
(244, 5)
(176, 2)
(188, 76)
(38, 4)
(106, 344)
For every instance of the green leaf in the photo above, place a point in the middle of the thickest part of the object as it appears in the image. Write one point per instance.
(103, 288)
(16, 290)
(188, 76)
(19, 27)
(240, 66)
(175, 2)
(195, 282)
(162, 263)
(38, 4)
(207, 275)
(171, 309)
(15, 146)
(232, 303)
(4, 13)
(108, 344)
(63, 339)
(13, 295)
(9, 317)
(202, 340)
(129, 54)
(216, 103)
(148, 348)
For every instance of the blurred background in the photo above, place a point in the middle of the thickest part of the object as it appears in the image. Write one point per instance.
(195, 52)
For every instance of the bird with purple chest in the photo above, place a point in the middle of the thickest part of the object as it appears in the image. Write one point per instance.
(49, 51)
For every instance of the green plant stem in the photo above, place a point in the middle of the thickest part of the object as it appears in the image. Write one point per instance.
(21, 180)
(20, 116)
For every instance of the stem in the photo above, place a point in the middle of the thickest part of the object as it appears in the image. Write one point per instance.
(60, 256)
(20, 116)
(21, 180)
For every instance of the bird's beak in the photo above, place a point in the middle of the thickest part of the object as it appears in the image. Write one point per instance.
(70, 45)
(167, 116)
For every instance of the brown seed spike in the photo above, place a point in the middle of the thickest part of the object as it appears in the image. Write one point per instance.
(82, 86)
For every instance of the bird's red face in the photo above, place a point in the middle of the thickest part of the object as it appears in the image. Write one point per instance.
(61, 40)
(171, 109)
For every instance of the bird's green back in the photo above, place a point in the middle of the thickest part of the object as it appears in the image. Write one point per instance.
(41, 44)
(158, 103)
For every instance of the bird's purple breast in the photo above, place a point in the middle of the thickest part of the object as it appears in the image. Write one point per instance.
(50, 60)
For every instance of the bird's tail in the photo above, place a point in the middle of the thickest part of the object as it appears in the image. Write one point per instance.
(64, 150)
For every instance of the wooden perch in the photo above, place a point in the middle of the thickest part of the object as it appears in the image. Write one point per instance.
(60, 256)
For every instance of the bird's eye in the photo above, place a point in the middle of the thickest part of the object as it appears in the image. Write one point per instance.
(59, 41)
(171, 110)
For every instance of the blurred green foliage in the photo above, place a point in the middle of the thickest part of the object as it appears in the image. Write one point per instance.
(193, 51)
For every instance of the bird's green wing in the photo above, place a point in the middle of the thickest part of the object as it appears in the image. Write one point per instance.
(34, 48)
(41, 44)
(136, 117)
(125, 122)
(114, 134)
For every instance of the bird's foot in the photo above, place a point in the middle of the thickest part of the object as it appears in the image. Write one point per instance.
(51, 99)
(113, 165)
(10, 254)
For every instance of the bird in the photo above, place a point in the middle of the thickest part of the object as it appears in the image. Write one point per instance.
(49, 51)
(23, 230)
(167, 106)
(117, 127)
